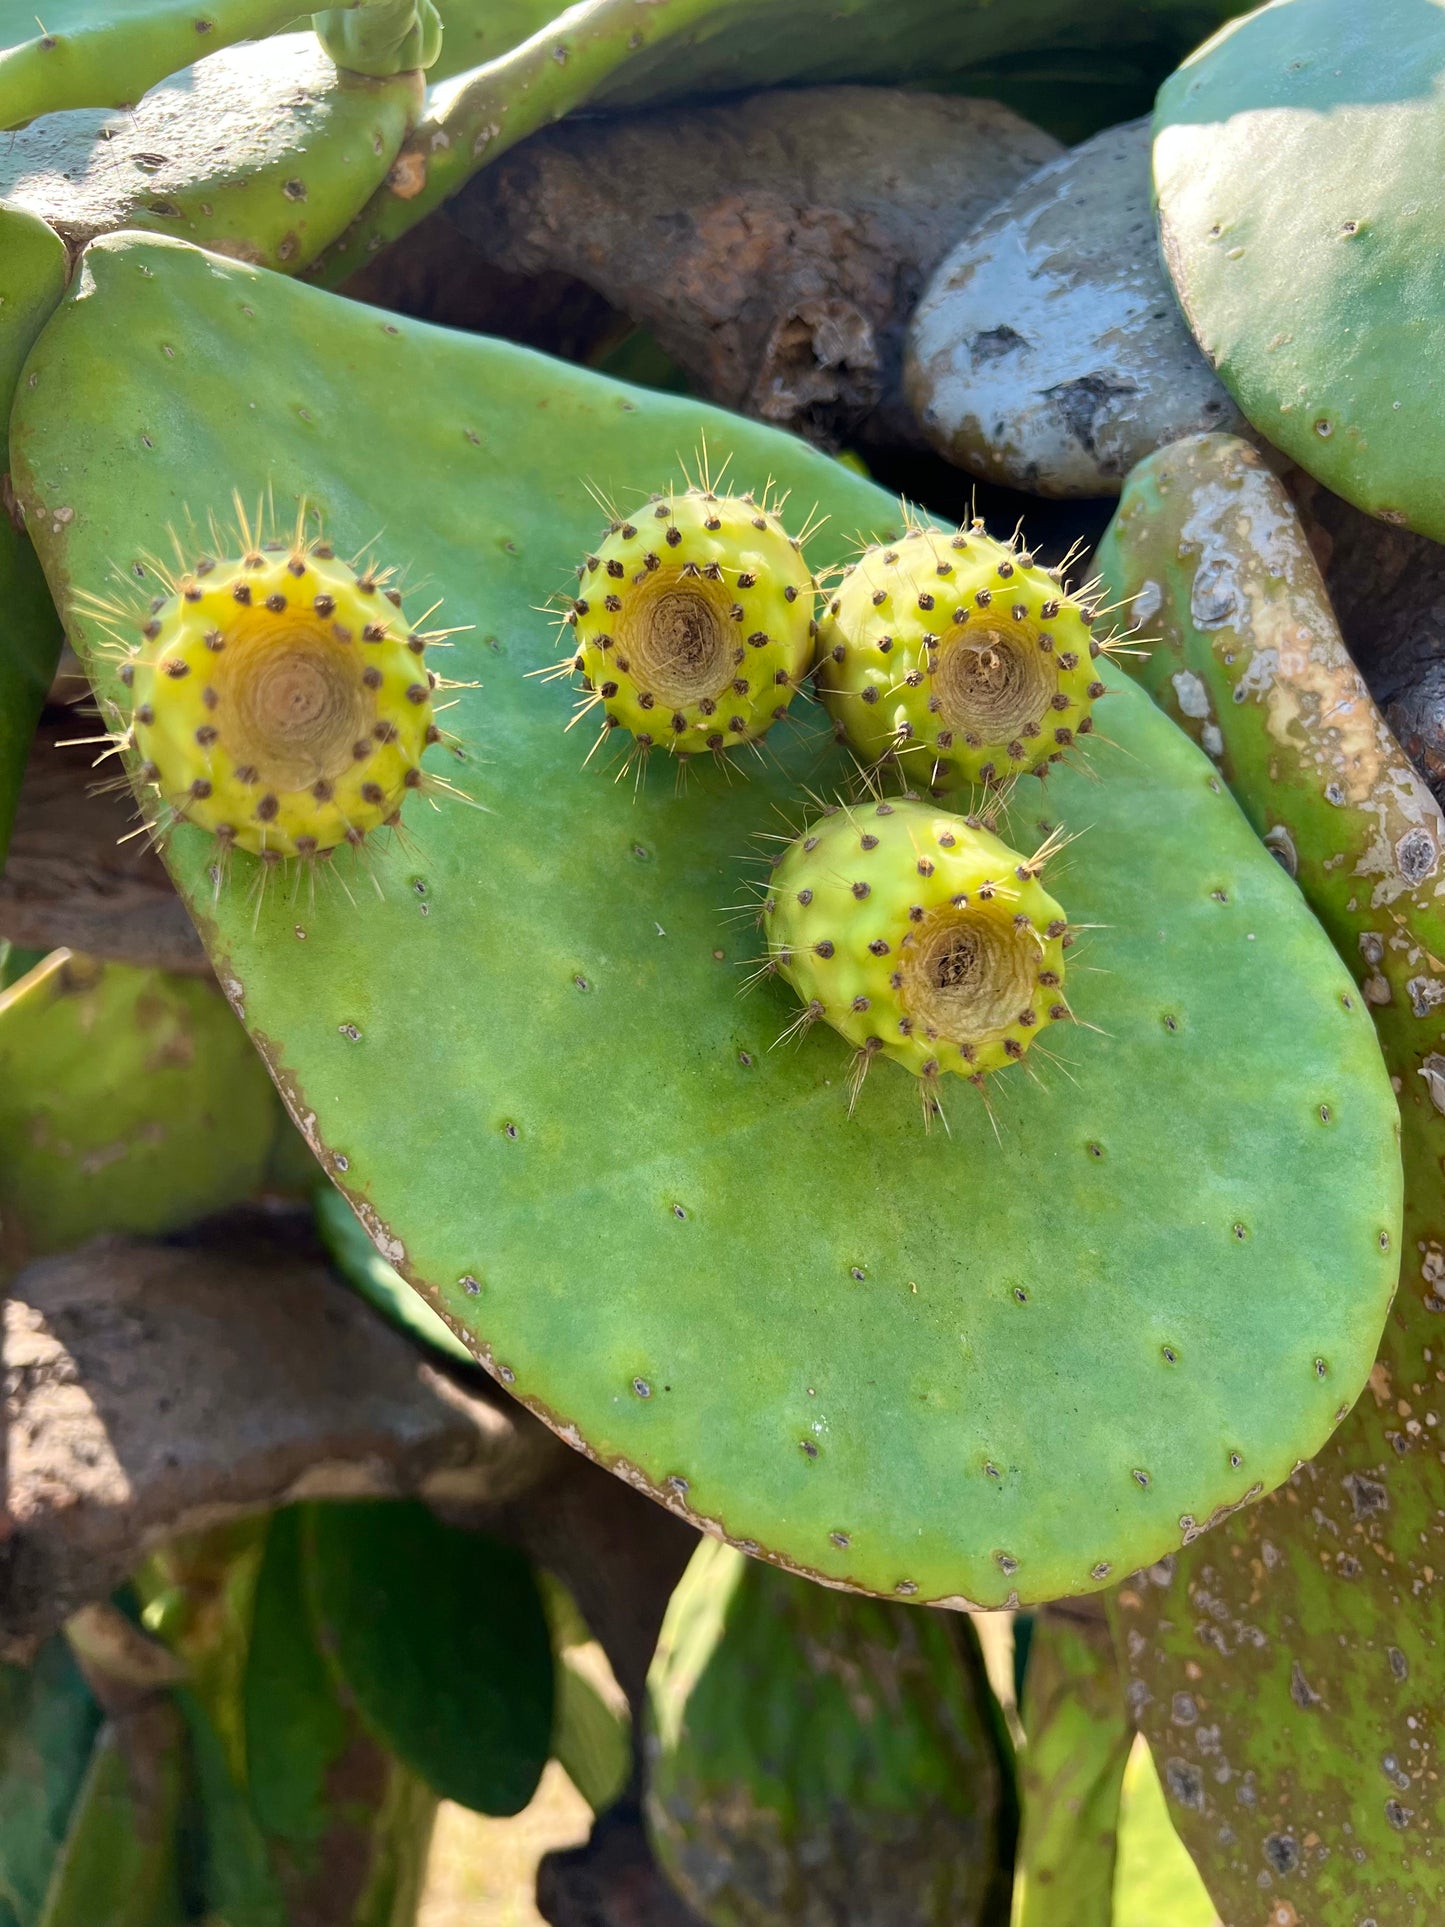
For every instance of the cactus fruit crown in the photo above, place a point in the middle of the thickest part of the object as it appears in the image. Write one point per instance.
(958, 660)
(279, 697)
(692, 626)
(920, 936)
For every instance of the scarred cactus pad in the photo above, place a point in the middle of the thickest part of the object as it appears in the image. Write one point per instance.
(920, 936)
(693, 622)
(957, 658)
(280, 699)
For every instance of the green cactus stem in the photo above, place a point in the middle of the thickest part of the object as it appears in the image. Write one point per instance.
(33, 269)
(1079, 1735)
(1294, 1651)
(263, 151)
(920, 937)
(528, 1066)
(955, 659)
(107, 53)
(692, 625)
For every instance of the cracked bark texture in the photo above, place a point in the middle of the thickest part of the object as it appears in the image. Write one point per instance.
(152, 1390)
(775, 244)
(71, 882)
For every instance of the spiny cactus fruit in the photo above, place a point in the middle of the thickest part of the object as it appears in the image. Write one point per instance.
(692, 622)
(577, 1140)
(957, 659)
(920, 936)
(280, 698)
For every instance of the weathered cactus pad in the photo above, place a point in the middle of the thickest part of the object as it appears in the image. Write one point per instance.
(814, 1759)
(1007, 1361)
(1290, 155)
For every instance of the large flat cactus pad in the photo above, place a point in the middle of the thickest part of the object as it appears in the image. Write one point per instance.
(1006, 1360)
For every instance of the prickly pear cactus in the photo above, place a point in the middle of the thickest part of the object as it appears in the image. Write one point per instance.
(956, 660)
(1285, 1667)
(692, 623)
(526, 1062)
(813, 1758)
(920, 936)
(1309, 299)
(129, 1101)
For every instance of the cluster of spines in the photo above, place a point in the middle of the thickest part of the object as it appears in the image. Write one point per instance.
(879, 674)
(720, 666)
(161, 660)
(872, 1012)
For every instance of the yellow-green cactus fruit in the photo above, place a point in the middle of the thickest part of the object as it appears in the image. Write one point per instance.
(280, 700)
(692, 625)
(956, 658)
(919, 936)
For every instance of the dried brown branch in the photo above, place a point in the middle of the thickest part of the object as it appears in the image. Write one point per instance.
(151, 1390)
(775, 244)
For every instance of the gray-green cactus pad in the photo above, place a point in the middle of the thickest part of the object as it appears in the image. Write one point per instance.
(1002, 1361)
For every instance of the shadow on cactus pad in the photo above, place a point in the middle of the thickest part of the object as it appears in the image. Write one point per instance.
(1002, 1362)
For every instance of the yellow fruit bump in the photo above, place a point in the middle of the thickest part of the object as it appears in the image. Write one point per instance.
(280, 698)
(919, 936)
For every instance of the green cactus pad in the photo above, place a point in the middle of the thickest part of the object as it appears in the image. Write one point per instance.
(919, 936)
(33, 268)
(1142, 1293)
(262, 151)
(1289, 155)
(1296, 1651)
(693, 622)
(129, 1101)
(107, 53)
(816, 1759)
(279, 698)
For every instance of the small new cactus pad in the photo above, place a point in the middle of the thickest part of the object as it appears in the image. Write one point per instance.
(920, 936)
(958, 659)
(693, 622)
(841, 1344)
(280, 699)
